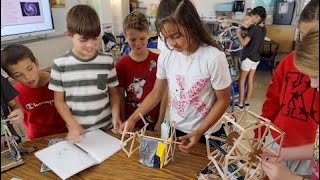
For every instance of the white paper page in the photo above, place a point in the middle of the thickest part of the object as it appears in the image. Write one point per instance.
(99, 144)
(65, 159)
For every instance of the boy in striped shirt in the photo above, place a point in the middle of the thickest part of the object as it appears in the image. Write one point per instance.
(84, 80)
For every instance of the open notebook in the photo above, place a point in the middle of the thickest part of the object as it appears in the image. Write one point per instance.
(66, 159)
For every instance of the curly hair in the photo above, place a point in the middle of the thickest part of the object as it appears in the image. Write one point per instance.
(136, 20)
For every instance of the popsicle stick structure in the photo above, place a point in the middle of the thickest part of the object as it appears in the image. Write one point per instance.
(170, 143)
(238, 155)
(132, 137)
(9, 157)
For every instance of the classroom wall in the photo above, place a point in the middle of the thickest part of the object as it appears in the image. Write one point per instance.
(46, 50)
(56, 44)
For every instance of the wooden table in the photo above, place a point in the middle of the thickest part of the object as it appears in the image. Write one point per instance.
(118, 166)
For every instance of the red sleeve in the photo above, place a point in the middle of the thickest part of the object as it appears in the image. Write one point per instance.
(120, 68)
(271, 105)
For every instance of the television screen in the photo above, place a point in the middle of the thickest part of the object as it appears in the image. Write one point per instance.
(25, 18)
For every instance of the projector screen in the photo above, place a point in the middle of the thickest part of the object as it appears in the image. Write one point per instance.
(25, 18)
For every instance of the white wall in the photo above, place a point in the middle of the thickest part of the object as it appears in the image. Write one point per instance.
(45, 51)
(120, 9)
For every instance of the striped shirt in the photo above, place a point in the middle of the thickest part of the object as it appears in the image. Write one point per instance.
(85, 84)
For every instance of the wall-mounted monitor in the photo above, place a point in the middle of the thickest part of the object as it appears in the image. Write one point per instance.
(25, 18)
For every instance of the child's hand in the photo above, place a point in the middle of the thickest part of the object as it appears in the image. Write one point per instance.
(16, 116)
(129, 126)
(157, 127)
(75, 133)
(268, 154)
(276, 171)
(189, 141)
(117, 123)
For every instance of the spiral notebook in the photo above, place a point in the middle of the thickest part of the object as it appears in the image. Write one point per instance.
(67, 159)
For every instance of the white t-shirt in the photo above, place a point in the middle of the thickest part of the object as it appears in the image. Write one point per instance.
(192, 81)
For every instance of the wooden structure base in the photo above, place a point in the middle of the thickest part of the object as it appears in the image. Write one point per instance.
(6, 163)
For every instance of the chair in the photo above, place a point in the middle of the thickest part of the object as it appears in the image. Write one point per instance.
(268, 54)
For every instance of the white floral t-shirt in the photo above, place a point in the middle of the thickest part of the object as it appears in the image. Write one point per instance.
(192, 82)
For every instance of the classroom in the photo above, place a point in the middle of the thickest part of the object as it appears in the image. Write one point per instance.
(163, 89)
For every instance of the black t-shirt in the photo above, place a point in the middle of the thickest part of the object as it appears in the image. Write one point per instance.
(256, 34)
(7, 94)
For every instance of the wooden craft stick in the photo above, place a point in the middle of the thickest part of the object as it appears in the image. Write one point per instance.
(159, 139)
(5, 120)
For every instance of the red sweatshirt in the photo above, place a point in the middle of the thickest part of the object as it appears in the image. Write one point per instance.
(292, 105)
(40, 115)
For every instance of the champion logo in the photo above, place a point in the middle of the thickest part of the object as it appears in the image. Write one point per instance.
(33, 105)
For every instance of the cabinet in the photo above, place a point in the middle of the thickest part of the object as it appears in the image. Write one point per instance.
(283, 35)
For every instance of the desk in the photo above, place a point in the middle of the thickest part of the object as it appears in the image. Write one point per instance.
(118, 166)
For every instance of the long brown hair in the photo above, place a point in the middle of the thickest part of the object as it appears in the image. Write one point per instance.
(184, 14)
(307, 53)
(310, 12)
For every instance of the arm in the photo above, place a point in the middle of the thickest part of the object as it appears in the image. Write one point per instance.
(243, 40)
(151, 100)
(276, 171)
(75, 130)
(222, 103)
(297, 153)
(16, 115)
(271, 105)
(163, 109)
(115, 101)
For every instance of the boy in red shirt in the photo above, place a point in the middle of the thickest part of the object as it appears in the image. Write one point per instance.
(137, 71)
(40, 115)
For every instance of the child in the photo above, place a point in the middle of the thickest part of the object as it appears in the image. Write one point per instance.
(10, 109)
(245, 25)
(84, 80)
(307, 61)
(137, 71)
(41, 117)
(195, 71)
(291, 104)
(250, 55)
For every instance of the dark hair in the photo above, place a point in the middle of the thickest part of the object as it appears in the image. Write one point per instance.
(310, 12)
(260, 11)
(135, 20)
(13, 54)
(83, 20)
(184, 14)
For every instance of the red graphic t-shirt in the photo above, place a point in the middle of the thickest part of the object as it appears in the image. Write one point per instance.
(137, 79)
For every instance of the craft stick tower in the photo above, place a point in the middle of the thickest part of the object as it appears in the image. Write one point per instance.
(9, 157)
(136, 136)
(168, 145)
(238, 155)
